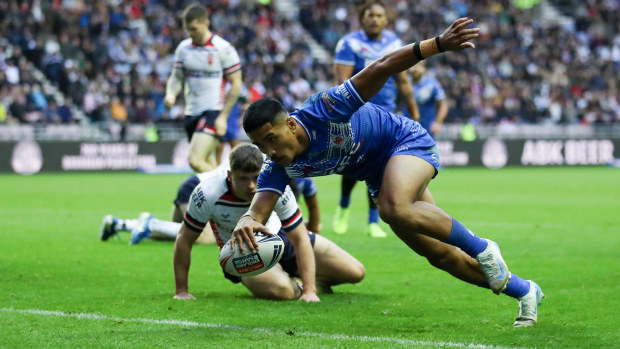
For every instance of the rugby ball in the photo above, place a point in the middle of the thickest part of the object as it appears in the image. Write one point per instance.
(270, 249)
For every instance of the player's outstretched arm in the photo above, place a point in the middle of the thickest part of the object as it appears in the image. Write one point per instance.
(305, 261)
(253, 221)
(455, 38)
(182, 257)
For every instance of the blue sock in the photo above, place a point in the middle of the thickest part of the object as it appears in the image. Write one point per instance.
(373, 215)
(464, 239)
(517, 287)
(345, 201)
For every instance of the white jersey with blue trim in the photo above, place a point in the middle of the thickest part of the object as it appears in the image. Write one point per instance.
(214, 202)
(346, 137)
(357, 50)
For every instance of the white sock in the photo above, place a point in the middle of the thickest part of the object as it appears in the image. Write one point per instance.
(167, 228)
(126, 224)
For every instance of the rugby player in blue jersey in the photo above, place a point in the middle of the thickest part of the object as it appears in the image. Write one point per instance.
(335, 131)
(431, 99)
(354, 52)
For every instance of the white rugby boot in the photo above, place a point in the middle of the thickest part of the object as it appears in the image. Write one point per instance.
(108, 228)
(528, 306)
(141, 231)
(494, 267)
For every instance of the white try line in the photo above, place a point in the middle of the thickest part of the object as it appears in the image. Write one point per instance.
(183, 323)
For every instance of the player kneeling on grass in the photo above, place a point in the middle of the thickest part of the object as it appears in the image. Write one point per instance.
(223, 198)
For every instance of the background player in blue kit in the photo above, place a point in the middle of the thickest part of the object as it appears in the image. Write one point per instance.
(234, 133)
(307, 188)
(336, 132)
(354, 52)
(431, 99)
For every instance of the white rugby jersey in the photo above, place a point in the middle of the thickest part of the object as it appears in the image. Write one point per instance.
(204, 70)
(214, 202)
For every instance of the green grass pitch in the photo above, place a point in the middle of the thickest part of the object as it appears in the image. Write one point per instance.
(61, 287)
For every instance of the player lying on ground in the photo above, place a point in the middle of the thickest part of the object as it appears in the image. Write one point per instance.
(147, 226)
(335, 131)
(223, 197)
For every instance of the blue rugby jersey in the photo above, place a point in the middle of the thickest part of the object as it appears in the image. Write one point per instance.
(346, 137)
(358, 50)
(427, 93)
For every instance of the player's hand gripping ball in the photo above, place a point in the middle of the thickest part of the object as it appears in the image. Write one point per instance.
(270, 249)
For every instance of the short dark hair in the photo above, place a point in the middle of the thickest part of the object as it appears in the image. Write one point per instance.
(195, 11)
(366, 5)
(262, 111)
(246, 158)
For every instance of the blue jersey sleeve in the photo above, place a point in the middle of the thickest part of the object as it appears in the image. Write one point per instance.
(273, 178)
(344, 54)
(335, 104)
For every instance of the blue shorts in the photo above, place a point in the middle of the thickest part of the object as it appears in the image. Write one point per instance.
(185, 190)
(233, 131)
(414, 141)
(288, 260)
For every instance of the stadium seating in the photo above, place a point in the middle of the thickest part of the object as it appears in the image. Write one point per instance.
(110, 60)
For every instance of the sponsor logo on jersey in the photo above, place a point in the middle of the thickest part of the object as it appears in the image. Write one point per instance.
(343, 90)
(402, 147)
(328, 101)
(198, 197)
(225, 217)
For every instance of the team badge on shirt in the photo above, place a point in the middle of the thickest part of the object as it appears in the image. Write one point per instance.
(329, 102)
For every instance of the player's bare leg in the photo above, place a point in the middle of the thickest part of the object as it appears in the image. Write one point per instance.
(340, 221)
(202, 152)
(441, 255)
(405, 181)
(334, 265)
(400, 199)
(274, 284)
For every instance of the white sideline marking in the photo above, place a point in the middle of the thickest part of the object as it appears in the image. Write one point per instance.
(408, 342)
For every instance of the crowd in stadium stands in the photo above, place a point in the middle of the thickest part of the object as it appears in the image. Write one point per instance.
(521, 72)
(111, 58)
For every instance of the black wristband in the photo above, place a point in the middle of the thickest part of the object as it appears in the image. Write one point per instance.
(438, 44)
(417, 52)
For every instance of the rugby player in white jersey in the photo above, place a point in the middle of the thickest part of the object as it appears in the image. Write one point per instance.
(202, 65)
(147, 226)
(223, 197)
